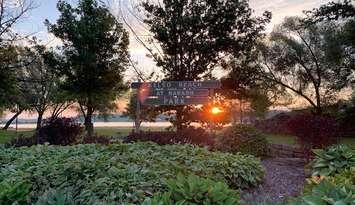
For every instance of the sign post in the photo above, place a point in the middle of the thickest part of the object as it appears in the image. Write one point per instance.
(138, 110)
(173, 93)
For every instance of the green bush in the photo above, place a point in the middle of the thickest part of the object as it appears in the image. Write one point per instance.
(121, 173)
(327, 193)
(333, 160)
(195, 190)
(245, 139)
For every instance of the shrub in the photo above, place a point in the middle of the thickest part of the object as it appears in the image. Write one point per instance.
(195, 190)
(245, 139)
(56, 131)
(333, 160)
(313, 132)
(59, 131)
(195, 136)
(121, 173)
(327, 193)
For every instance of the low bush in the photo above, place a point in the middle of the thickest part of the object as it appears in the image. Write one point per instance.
(195, 190)
(313, 132)
(327, 193)
(243, 138)
(56, 131)
(59, 131)
(121, 173)
(333, 160)
(195, 136)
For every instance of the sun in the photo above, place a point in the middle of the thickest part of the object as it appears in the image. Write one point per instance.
(216, 110)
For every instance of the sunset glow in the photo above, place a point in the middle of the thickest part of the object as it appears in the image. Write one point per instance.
(216, 110)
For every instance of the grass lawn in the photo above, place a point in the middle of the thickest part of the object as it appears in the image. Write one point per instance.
(281, 139)
(6, 136)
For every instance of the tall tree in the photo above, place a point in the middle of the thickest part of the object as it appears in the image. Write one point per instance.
(193, 36)
(10, 13)
(307, 60)
(95, 49)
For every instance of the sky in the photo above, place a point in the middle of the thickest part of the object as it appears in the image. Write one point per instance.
(46, 9)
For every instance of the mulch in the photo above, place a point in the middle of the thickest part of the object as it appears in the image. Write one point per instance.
(285, 178)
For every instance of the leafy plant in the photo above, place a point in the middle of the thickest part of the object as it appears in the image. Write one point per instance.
(121, 173)
(327, 193)
(54, 197)
(196, 190)
(14, 192)
(333, 160)
(245, 139)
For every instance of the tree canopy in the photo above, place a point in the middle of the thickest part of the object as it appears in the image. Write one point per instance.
(193, 36)
(95, 55)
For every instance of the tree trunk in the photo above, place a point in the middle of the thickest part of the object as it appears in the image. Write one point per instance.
(89, 126)
(319, 106)
(8, 123)
(39, 120)
(179, 119)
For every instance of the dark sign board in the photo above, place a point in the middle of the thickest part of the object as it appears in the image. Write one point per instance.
(212, 84)
(166, 100)
(180, 92)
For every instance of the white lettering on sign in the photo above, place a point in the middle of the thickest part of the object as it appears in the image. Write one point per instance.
(173, 101)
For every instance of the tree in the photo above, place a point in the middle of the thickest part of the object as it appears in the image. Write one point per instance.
(331, 11)
(308, 60)
(193, 36)
(147, 113)
(43, 82)
(10, 14)
(343, 14)
(95, 50)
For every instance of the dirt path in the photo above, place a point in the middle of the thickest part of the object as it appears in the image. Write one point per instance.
(284, 178)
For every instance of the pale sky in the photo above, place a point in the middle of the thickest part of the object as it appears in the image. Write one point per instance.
(46, 9)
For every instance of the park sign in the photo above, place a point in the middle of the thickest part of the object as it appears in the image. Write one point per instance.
(174, 93)
(212, 84)
(176, 100)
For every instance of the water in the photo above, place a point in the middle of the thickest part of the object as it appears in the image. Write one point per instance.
(102, 124)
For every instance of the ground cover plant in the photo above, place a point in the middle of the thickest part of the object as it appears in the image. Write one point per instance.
(195, 190)
(118, 173)
(333, 160)
(333, 180)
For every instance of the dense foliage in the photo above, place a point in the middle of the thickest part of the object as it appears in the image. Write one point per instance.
(327, 193)
(195, 190)
(333, 182)
(243, 138)
(313, 132)
(194, 35)
(120, 173)
(95, 55)
(56, 131)
(195, 136)
(333, 160)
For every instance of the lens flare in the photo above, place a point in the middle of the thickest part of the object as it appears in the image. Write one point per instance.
(216, 110)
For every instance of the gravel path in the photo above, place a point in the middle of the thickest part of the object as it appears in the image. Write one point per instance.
(284, 178)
